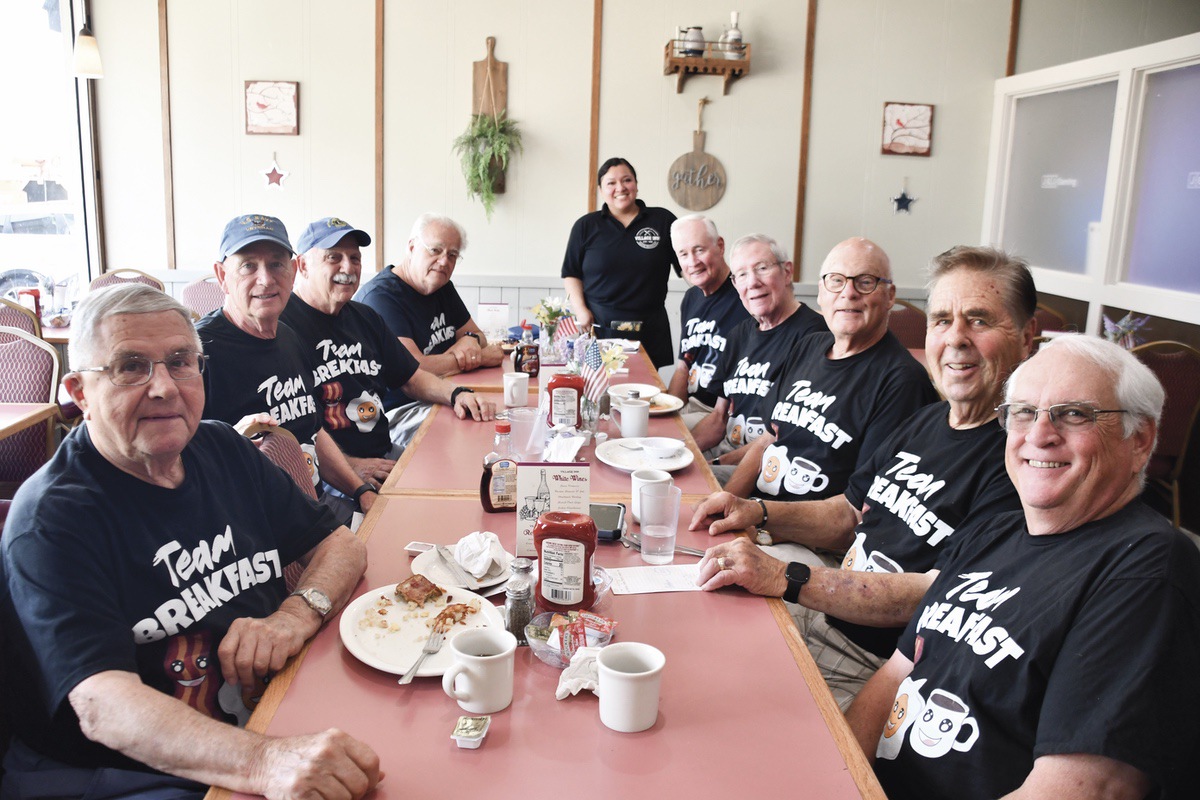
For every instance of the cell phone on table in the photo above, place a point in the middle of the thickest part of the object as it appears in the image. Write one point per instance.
(610, 520)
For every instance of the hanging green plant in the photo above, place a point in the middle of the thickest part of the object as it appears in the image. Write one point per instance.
(484, 148)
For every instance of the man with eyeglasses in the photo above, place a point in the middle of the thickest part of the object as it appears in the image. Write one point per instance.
(842, 392)
(756, 353)
(257, 367)
(141, 585)
(709, 312)
(1056, 652)
(355, 359)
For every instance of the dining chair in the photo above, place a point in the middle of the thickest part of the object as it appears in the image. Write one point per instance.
(281, 447)
(1177, 366)
(202, 296)
(908, 323)
(127, 275)
(1047, 319)
(29, 375)
(15, 315)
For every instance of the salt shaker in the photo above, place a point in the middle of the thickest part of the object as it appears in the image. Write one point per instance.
(518, 599)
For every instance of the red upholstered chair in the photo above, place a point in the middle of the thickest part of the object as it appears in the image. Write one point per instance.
(15, 315)
(28, 374)
(202, 296)
(1177, 366)
(908, 323)
(280, 446)
(118, 276)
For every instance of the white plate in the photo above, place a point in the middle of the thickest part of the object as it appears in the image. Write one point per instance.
(621, 391)
(626, 460)
(628, 345)
(664, 403)
(395, 651)
(431, 566)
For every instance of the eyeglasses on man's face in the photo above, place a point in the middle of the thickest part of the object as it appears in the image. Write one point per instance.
(863, 284)
(1020, 417)
(760, 270)
(137, 370)
(453, 256)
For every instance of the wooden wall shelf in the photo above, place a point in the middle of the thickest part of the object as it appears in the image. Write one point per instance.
(712, 62)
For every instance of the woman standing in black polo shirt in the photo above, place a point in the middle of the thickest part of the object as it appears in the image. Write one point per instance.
(617, 264)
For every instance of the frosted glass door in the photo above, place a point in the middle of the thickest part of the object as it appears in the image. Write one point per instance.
(1056, 175)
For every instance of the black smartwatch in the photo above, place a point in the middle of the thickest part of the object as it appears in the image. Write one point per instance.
(454, 395)
(478, 339)
(363, 489)
(797, 575)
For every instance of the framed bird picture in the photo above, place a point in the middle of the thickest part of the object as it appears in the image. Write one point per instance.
(907, 129)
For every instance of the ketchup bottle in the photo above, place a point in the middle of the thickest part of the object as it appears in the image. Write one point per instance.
(565, 390)
(565, 545)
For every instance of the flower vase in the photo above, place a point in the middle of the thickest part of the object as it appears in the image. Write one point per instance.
(589, 414)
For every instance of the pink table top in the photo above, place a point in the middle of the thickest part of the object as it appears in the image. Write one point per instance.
(735, 715)
(16, 417)
(640, 370)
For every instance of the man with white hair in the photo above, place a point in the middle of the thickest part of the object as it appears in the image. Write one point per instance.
(709, 312)
(1056, 652)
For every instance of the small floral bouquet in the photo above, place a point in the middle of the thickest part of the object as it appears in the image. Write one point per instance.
(549, 310)
(1124, 331)
(613, 358)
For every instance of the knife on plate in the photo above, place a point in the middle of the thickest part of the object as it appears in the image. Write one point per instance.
(460, 574)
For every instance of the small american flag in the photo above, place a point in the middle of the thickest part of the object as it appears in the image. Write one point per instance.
(566, 328)
(595, 374)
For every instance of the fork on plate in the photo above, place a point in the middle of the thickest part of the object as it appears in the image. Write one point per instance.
(432, 645)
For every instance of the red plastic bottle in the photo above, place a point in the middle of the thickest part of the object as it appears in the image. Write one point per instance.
(565, 545)
(565, 390)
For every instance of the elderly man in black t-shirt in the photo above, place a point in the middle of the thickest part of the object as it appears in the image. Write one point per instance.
(355, 359)
(1056, 653)
(257, 368)
(141, 585)
(708, 313)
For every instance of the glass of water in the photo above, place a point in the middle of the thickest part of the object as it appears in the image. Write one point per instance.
(659, 521)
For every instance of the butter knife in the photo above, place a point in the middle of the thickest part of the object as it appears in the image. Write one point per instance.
(456, 570)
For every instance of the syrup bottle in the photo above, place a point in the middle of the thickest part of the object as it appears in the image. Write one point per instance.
(527, 358)
(498, 485)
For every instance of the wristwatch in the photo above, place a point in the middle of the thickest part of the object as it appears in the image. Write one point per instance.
(317, 600)
(478, 339)
(363, 489)
(460, 390)
(797, 574)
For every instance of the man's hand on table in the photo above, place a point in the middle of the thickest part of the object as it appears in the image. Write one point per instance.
(467, 353)
(477, 406)
(731, 514)
(742, 563)
(331, 765)
(255, 648)
(372, 470)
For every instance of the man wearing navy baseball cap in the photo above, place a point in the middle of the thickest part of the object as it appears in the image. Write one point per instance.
(258, 369)
(355, 359)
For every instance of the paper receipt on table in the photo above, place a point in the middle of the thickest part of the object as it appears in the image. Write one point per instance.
(647, 580)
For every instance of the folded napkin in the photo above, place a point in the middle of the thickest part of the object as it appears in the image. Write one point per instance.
(481, 554)
(565, 445)
(582, 673)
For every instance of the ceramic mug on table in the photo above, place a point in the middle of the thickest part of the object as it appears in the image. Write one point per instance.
(630, 679)
(634, 417)
(516, 389)
(481, 678)
(640, 478)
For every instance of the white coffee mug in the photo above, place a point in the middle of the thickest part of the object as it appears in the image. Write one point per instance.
(630, 677)
(481, 677)
(634, 417)
(516, 389)
(640, 478)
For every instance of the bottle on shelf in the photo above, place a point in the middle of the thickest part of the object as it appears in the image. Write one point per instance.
(498, 485)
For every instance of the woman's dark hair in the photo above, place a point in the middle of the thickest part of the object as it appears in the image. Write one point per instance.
(613, 162)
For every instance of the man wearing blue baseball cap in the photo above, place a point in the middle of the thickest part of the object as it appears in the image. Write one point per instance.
(354, 357)
(258, 368)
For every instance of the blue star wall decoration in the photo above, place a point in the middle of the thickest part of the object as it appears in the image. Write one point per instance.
(903, 202)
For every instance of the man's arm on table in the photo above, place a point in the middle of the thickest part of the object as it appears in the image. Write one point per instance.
(827, 523)
(429, 388)
(1082, 775)
(337, 471)
(579, 306)
(709, 431)
(678, 385)
(490, 355)
(439, 364)
(117, 710)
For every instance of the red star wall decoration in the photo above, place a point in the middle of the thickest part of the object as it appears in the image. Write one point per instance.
(275, 176)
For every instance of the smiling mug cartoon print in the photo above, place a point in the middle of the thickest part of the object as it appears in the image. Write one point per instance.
(772, 469)
(935, 731)
(804, 476)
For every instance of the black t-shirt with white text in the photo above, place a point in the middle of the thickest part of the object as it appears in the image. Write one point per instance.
(705, 325)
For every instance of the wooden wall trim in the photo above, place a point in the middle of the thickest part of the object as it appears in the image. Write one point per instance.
(594, 135)
(1014, 33)
(810, 38)
(164, 82)
(377, 234)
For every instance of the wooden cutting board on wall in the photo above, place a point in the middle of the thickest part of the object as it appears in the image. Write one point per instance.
(489, 86)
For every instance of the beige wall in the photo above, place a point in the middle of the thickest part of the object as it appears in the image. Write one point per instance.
(867, 52)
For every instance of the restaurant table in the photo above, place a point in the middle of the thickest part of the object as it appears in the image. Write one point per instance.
(57, 336)
(743, 709)
(16, 417)
(640, 370)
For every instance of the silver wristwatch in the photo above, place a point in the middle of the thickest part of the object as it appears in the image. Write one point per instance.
(317, 600)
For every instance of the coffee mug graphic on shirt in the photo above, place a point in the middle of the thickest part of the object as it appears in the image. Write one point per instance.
(908, 706)
(772, 469)
(755, 427)
(935, 732)
(804, 476)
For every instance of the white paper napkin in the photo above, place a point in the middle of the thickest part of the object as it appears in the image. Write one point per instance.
(582, 673)
(481, 554)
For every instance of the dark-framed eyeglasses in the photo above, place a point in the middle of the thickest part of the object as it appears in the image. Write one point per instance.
(453, 256)
(137, 370)
(1020, 417)
(863, 284)
(759, 270)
